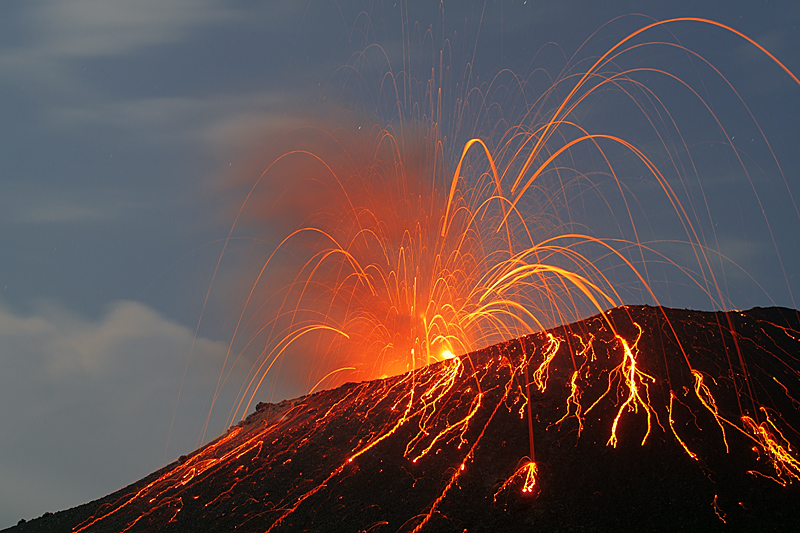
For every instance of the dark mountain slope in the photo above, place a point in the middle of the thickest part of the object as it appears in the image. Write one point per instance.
(643, 418)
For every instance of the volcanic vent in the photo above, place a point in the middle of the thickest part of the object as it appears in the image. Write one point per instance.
(641, 417)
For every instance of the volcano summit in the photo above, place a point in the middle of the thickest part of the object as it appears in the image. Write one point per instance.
(640, 418)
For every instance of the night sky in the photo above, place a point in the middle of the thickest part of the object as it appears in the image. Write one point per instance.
(126, 122)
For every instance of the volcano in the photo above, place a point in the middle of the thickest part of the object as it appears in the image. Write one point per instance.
(642, 418)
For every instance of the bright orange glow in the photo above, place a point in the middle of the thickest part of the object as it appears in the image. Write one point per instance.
(775, 447)
(196, 466)
(526, 473)
(635, 380)
(680, 440)
(719, 512)
(574, 399)
(705, 397)
(541, 374)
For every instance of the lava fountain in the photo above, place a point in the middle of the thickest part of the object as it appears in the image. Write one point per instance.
(451, 225)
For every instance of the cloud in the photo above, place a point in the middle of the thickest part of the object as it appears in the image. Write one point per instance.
(57, 33)
(219, 121)
(87, 402)
(28, 204)
(86, 28)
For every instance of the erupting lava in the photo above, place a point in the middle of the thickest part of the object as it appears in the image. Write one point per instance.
(405, 244)
(449, 228)
(400, 258)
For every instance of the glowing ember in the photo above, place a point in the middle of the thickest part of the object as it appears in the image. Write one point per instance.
(525, 474)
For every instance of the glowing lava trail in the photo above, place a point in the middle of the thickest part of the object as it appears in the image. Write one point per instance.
(445, 446)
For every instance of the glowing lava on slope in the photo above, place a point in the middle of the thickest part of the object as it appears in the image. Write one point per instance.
(439, 449)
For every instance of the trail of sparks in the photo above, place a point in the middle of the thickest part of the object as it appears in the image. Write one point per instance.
(574, 399)
(458, 471)
(689, 452)
(197, 465)
(705, 397)
(719, 512)
(777, 449)
(541, 374)
(527, 473)
(634, 379)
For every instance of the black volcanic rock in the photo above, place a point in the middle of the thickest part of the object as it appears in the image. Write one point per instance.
(436, 447)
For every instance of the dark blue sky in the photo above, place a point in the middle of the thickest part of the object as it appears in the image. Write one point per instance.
(124, 120)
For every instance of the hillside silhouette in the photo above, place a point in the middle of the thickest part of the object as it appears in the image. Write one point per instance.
(437, 449)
